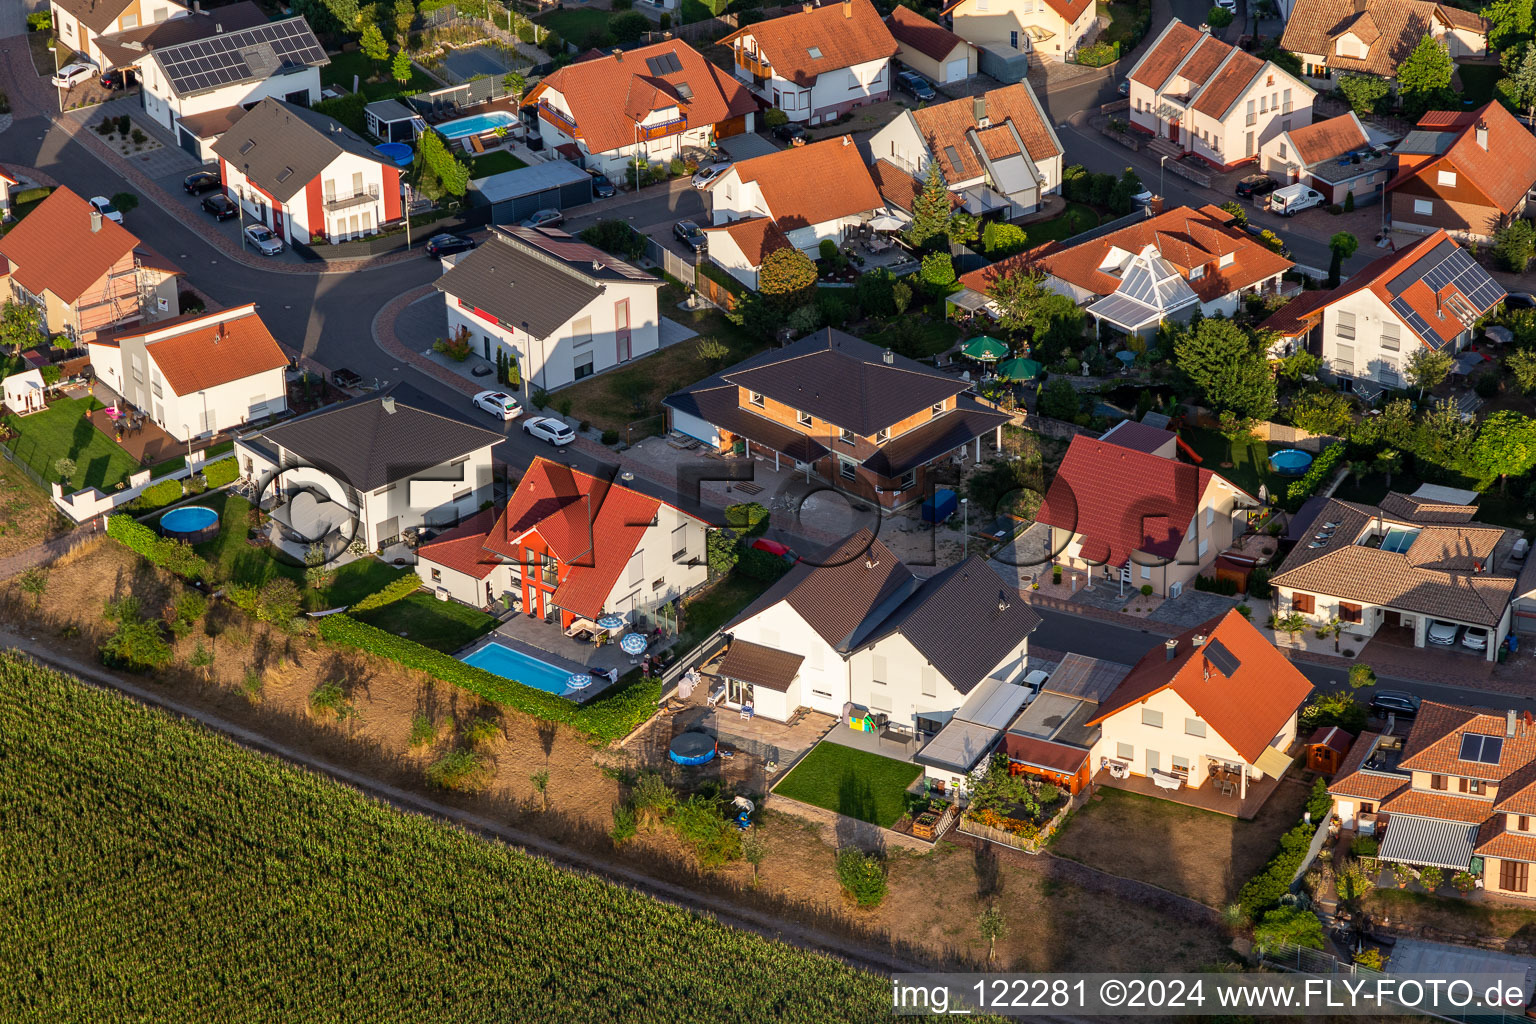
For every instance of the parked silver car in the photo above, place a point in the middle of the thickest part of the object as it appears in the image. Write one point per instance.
(263, 238)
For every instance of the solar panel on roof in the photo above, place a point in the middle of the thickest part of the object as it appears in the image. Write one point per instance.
(1415, 322)
(1481, 749)
(1225, 661)
(211, 63)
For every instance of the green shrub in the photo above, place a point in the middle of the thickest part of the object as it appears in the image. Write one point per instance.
(624, 827)
(609, 717)
(617, 237)
(330, 698)
(1319, 803)
(764, 566)
(1098, 54)
(721, 553)
(461, 770)
(1365, 846)
(1146, 590)
(172, 555)
(1316, 475)
(159, 495)
(39, 21)
(1264, 891)
(748, 518)
(481, 730)
(699, 822)
(610, 437)
(222, 472)
(652, 795)
(1214, 585)
(391, 592)
(1294, 926)
(423, 731)
(137, 645)
(775, 118)
(938, 273)
(862, 877)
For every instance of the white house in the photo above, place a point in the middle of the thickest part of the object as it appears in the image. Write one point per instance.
(809, 193)
(1050, 29)
(24, 392)
(996, 151)
(306, 176)
(818, 63)
(197, 375)
(1429, 294)
(573, 543)
(79, 24)
(233, 69)
(650, 103)
(1335, 157)
(1216, 704)
(559, 308)
(855, 626)
(1207, 97)
(388, 466)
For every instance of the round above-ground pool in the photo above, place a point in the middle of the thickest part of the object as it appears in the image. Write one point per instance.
(1291, 462)
(398, 153)
(191, 523)
(692, 748)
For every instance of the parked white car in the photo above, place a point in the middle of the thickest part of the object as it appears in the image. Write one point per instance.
(707, 176)
(104, 206)
(1475, 638)
(547, 428)
(1292, 199)
(1442, 633)
(499, 404)
(263, 238)
(71, 75)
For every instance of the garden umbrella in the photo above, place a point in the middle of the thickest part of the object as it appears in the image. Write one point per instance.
(885, 222)
(984, 349)
(1018, 369)
(1126, 356)
(632, 643)
(610, 621)
(579, 681)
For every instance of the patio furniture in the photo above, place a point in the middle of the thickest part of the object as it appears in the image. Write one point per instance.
(1165, 780)
(717, 693)
(746, 711)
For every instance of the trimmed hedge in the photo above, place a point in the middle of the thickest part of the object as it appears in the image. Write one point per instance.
(608, 718)
(220, 473)
(174, 555)
(1317, 474)
(394, 591)
(166, 492)
(748, 518)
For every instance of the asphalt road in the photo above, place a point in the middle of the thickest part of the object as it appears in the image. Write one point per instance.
(1063, 631)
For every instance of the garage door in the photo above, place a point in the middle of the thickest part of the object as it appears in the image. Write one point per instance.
(955, 70)
(189, 142)
(731, 126)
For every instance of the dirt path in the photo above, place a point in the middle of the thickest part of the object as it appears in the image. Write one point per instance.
(47, 551)
(728, 913)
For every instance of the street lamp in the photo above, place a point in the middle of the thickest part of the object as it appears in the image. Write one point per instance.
(407, 188)
(1162, 175)
(965, 527)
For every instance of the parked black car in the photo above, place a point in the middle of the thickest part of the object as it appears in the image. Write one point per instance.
(601, 186)
(792, 133)
(114, 79)
(199, 182)
(1395, 702)
(220, 206)
(689, 234)
(1257, 231)
(1520, 300)
(915, 85)
(1257, 185)
(345, 378)
(447, 245)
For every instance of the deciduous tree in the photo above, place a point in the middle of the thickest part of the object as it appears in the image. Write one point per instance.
(1505, 445)
(1363, 92)
(1342, 246)
(787, 279)
(1221, 360)
(1509, 22)
(1522, 366)
(373, 45)
(1426, 368)
(1515, 243)
(1424, 77)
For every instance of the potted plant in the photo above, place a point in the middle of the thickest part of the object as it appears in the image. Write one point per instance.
(1430, 878)
(1464, 882)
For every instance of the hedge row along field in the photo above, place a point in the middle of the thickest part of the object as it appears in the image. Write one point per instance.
(151, 870)
(610, 717)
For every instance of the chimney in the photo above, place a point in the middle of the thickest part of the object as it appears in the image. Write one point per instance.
(1509, 722)
(979, 109)
(888, 357)
(197, 6)
(807, 8)
(388, 403)
(1155, 207)
(95, 220)
(848, 8)
(1198, 640)
(1170, 648)
(1482, 135)
(618, 54)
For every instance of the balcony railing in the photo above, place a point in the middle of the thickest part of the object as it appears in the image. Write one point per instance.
(557, 119)
(660, 131)
(366, 197)
(1253, 119)
(754, 62)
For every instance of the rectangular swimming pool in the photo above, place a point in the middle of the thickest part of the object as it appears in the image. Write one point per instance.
(501, 660)
(479, 124)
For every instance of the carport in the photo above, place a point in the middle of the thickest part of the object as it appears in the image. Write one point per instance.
(517, 195)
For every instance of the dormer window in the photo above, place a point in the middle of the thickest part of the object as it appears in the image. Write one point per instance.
(938, 408)
(1227, 260)
(756, 398)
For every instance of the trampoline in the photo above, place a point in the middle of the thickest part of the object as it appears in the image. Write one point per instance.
(192, 523)
(398, 153)
(1291, 462)
(691, 748)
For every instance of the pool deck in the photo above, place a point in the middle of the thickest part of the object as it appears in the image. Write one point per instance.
(546, 642)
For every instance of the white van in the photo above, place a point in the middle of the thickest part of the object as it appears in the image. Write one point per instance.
(1292, 199)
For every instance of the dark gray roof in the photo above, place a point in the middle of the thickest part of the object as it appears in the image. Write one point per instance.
(362, 444)
(131, 45)
(717, 402)
(964, 620)
(243, 55)
(283, 147)
(919, 446)
(535, 280)
(846, 381)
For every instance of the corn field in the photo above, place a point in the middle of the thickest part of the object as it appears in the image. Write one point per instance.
(153, 871)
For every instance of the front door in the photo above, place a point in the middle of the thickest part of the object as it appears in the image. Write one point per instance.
(277, 222)
(1153, 761)
(1173, 131)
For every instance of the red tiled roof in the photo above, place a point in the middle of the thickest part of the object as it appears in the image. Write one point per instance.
(1299, 315)
(845, 34)
(462, 548)
(1247, 709)
(1223, 90)
(1356, 784)
(1122, 501)
(1205, 59)
(54, 249)
(946, 126)
(1495, 839)
(1434, 743)
(1325, 140)
(605, 96)
(593, 527)
(1184, 237)
(1391, 30)
(211, 349)
(1158, 62)
(926, 37)
(755, 236)
(1517, 791)
(1504, 171)
(1438, 805)
(805, 185)
(1068, 9)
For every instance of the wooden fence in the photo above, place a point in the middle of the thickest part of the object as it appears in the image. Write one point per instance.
(1033, 844)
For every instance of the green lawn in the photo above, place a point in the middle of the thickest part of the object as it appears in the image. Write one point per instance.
(1122, 21)
(442, 625)
(715, 607)
(494, 163)
(864, 786)
(238, 561)
(344, 65)
(1477, 83)
(1075, 219)
(694, 10)
(584, 27)
(172, 465)
(933, 337)
(1249, 458)
(63, 431)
